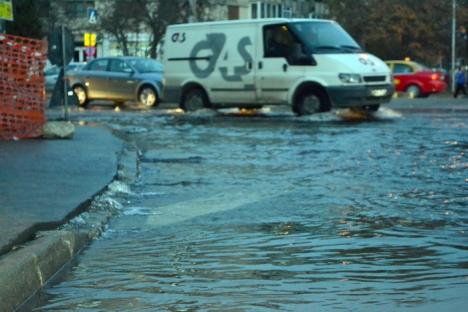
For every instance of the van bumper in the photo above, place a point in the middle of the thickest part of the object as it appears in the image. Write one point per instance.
(352, 96)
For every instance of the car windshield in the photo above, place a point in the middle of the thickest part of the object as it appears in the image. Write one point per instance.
(325, 37)
(146, 65)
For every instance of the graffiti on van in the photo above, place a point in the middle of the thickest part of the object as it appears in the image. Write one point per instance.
(239, 71)
(214, 44)
(178, 37)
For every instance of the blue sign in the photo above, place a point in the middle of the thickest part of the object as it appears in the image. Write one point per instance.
(92, 15)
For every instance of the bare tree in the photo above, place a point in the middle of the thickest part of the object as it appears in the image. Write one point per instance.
(394, 29)
(120, 18)
(156, 15)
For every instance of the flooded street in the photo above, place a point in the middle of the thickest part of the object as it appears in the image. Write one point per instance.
(271, 212)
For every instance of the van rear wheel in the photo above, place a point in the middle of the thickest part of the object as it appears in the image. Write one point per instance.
(311, 102)
(193, 100)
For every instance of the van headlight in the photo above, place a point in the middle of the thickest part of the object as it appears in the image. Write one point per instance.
(350, 78)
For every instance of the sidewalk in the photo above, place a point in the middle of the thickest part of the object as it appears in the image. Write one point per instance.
(44, 182)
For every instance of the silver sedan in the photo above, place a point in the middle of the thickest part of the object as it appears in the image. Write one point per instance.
(119, 79)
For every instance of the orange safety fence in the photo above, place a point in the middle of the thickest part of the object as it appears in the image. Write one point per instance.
(22, 85)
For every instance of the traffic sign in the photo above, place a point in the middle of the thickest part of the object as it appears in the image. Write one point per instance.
(90, 51)
(92, 15)
(89, 39)
(60, 41)
(92, 40)
(6, 10)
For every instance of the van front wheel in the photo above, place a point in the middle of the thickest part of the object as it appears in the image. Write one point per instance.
(314, 101)
(193, 100)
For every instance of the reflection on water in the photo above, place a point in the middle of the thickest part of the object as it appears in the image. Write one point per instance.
(269, 212)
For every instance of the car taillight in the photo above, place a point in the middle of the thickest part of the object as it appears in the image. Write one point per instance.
(435, 77)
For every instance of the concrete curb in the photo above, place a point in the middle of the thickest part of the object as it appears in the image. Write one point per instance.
(24, 271)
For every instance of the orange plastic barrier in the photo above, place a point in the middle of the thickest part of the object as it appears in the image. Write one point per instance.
(22, 96)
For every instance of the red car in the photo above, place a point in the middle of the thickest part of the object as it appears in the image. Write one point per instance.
(416, 79)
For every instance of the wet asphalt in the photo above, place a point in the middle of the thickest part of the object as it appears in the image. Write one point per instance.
(265, 211)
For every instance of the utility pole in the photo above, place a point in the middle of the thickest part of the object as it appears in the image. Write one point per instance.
(454, 34)
(192, 11)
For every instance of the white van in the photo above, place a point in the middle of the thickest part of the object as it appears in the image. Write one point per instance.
(312, 65)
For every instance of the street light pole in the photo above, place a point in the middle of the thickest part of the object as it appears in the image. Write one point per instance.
(454, 29)
(192, 11)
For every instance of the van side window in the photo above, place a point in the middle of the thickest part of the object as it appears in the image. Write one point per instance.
(280, 42)
(277, 41)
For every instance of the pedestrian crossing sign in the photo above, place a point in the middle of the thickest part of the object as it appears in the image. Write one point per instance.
(92, 15)
(6, 10)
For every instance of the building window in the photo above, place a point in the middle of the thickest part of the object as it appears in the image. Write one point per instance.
(287, 12)
(233, 12)
(253, 10)
(264, 9)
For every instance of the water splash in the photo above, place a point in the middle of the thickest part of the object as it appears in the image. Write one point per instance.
(118, 187)
(140, 211)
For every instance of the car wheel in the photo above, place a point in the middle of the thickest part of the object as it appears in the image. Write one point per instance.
(413, 91)
(148, 97)
(193, 100)
(81, 96)
(311, 102)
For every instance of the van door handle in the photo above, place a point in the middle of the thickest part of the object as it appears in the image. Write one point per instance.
(285, 67)
(249, 65)
(260, 65)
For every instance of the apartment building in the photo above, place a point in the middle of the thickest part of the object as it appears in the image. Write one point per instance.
(248, 9)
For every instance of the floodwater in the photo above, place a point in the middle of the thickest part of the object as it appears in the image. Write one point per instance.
(269, 212)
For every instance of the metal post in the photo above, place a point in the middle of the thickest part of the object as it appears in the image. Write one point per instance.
(65, 89)
(192, 11)
(454, 30)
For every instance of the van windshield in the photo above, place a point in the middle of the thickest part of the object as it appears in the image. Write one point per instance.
(325, 37)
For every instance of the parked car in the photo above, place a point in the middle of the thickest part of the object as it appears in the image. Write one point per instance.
(119, 79)
(416, 79)
(445, 73)
(51, 74)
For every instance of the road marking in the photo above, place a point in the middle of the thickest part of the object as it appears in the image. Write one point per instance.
(186, 210)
